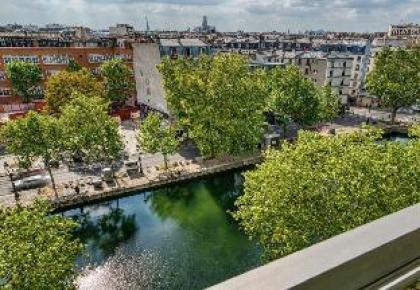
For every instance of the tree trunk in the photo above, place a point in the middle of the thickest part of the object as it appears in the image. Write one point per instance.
(284, 130)
(393, 115)
(140, 165)
(14, 189)
(165, 161)
(52, 181)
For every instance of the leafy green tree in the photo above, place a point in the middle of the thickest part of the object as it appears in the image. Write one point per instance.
(218, 101)
(61, 87)
(89, 132)
(73, 66)
(395, 78)
(154, 136)
(293, 97)
(414, 131)
(25, 78)
(329, 104)
(35, 136)
(118, 80)
(38, 250)
(322, 186)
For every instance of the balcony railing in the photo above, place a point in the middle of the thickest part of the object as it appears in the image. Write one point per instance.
(383, 254)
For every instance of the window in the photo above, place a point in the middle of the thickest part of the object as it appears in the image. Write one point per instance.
(98, 58)
(357, 67)
(2, 75)
(5, 92)
(56, 59)
(124, 57)
(95, 70)
(24, 58)
(52, 72)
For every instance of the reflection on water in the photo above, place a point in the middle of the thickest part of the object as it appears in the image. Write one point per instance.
(142, 270)
(179, 237)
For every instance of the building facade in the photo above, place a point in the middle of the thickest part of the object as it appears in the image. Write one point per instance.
(54, 59)
(404, 30)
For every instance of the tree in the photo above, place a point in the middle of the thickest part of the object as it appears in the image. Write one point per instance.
(25, 78)
(218, 101)
(73, 66)
(35, 136)
(89, 132)
(293, 97)
(118, 80)
(61, 87)
(322, 186)
(38, 250)
(395, 78)
(329, 104)
(154, 136)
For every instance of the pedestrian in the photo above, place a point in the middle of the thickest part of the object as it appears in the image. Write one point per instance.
(77, 189)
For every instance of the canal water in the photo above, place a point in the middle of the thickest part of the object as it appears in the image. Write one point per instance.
(180, 237)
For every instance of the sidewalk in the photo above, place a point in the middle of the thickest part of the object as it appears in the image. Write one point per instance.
(153, 178)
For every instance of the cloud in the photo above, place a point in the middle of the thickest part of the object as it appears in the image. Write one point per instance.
(227, 15)
(176, 2)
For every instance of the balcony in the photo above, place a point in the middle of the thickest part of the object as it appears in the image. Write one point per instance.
(383, 254)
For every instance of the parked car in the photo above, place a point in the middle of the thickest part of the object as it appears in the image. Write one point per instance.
(131, 166)
(107, 175)
(97, 183)
(34, 181)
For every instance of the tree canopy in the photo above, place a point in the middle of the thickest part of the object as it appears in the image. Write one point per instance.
(295, 98)
(73, 66)
(89, 132)
(154, 136)
(395, 78)
(218, 101)
(38, 250)
(25, 78)
(61, 87)
(118, 81)
(35, 136)
(322, 186)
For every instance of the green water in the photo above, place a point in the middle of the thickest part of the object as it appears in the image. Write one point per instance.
(174, 238)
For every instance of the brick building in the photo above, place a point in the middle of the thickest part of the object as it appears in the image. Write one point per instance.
(54, 59)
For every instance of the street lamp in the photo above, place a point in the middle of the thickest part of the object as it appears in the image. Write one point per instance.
(9, 172)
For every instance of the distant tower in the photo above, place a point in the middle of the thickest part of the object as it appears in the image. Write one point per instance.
(204, 24)
(147, 24)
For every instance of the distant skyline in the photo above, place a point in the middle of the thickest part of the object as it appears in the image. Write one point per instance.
(226, 15)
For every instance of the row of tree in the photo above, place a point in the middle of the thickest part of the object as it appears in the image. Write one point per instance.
(83, 130)
(115, 83)
(221, 103)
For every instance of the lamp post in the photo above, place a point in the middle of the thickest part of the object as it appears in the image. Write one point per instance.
(10, 174)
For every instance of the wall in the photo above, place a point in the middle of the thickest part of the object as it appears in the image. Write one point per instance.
(148, 79)
(79, 54)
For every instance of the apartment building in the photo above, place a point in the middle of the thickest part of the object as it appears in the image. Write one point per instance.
(54, 59)
(404, 30)
(183, 47)
(343, 72)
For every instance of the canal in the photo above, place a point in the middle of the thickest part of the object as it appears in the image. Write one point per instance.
(180, 237)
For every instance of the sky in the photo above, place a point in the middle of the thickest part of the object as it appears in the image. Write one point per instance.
(227, 15)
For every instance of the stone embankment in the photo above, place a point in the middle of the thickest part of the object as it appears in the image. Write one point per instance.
(126, 185)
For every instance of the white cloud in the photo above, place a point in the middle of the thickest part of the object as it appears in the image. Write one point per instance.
(227, 15)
